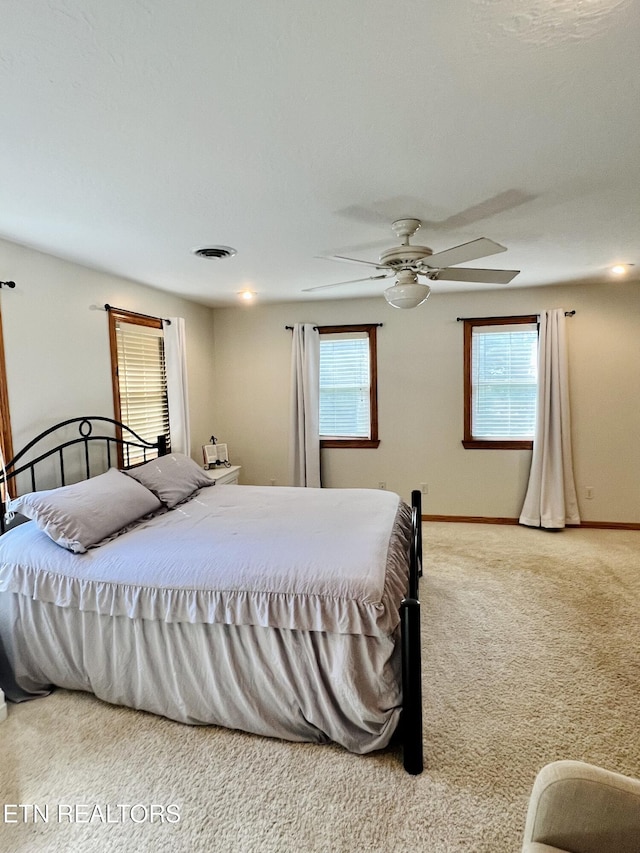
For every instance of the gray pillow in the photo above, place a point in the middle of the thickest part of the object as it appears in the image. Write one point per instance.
(172, 478)
(85, 513)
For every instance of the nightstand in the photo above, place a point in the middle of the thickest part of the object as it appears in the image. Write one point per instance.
(225, 476)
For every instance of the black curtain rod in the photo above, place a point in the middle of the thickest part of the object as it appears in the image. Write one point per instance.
(7, 284)
(290, 328)
(512, 317)
(108, 307)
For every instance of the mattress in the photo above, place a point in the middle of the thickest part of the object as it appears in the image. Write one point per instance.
(271, 610)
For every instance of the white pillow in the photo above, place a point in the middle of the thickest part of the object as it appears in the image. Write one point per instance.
(85, 513)
(172, 478)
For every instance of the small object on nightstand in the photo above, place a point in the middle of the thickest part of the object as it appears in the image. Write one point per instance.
(215, 455)
(209, 455)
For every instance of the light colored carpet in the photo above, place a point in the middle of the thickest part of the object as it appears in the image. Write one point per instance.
(530, 653)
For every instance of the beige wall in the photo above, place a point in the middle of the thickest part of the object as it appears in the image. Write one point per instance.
(57, 343)
(420, 398)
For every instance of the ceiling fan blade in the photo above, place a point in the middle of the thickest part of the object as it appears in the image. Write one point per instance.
(480, 248)
(480, 276)
(350, 260)
(351, 281)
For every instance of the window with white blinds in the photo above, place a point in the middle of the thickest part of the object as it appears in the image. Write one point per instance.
(504, 381)
(349, 386)
(141, 381)
(345, 383)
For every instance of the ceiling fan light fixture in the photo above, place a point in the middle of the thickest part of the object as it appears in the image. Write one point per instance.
(407, 295)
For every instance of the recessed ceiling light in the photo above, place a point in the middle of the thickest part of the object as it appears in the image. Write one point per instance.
(620, 269)
(246, 295)
(215, 252)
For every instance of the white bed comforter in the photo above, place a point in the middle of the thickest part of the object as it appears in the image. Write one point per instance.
(271, 610)
(312, 559)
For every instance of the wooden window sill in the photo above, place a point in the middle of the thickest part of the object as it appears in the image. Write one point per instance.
(478, 444)
(349, 442)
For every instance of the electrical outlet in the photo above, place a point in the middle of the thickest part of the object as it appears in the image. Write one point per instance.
(424, 488)
(382, 484)
(588, 493)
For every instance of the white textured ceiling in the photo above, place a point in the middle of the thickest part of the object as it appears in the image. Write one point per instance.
(132, 131)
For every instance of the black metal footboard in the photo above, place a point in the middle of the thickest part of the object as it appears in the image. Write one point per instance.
(411, 719)
(32, 455)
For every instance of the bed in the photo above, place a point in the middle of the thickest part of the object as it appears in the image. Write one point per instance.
(285, 612)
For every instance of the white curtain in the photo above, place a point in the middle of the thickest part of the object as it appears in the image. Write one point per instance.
(551, 494)
(175, 355)
(304, 449)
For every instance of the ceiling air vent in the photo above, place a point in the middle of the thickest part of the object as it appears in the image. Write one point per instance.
(215, 252)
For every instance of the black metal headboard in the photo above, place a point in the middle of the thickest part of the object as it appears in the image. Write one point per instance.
(27, 459)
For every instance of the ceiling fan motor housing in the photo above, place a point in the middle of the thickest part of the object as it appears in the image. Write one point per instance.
(404, 256)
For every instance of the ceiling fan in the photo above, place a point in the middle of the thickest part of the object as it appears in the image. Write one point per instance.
(407, 263)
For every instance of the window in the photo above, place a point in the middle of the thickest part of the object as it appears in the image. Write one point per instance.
(139, 378)
(6, 445)
(500, 382)
(348, 386)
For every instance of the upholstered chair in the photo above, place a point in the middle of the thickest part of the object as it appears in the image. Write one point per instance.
(580, 808)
